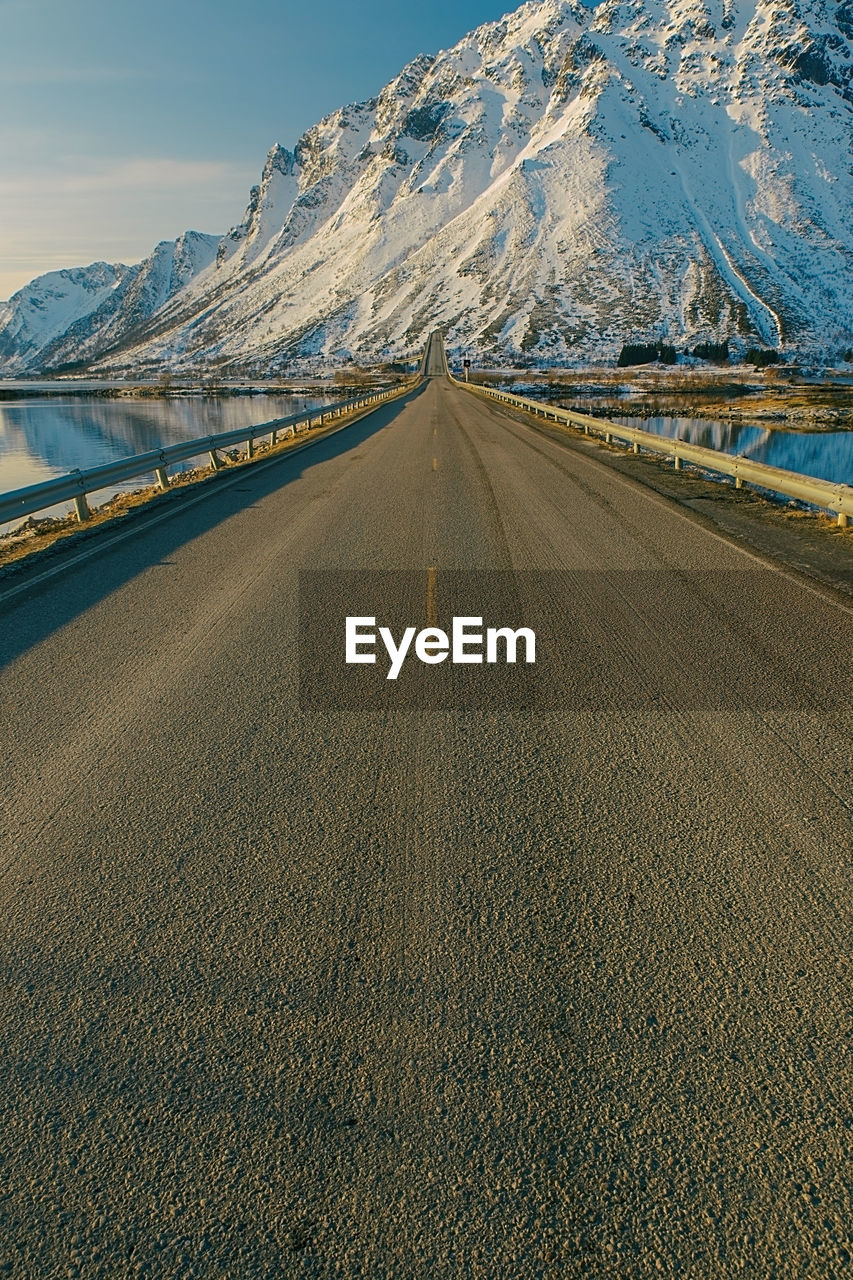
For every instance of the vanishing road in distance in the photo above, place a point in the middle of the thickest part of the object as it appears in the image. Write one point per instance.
(526, 972)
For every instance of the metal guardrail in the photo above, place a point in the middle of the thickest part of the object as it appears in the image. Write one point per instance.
(76, 485)
(837, 498)
(436, 336)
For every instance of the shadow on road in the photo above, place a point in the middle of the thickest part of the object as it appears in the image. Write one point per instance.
(29, 618)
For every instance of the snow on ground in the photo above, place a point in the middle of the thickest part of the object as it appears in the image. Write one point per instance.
(562, 181)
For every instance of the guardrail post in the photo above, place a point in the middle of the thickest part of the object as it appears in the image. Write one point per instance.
(81, 506)
(273, 438)
(250, 447)
(829, 496)
(215, 460)
(162, 478)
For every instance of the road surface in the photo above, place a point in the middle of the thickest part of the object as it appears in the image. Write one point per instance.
(300, 987)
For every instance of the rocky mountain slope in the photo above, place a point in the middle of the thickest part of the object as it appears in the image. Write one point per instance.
(560, 182)
(72, 316)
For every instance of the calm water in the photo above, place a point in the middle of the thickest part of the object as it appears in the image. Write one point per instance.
(828, 455)
(42, 438)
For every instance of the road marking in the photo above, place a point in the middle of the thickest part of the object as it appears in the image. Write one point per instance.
(432, 610)
(435, 464)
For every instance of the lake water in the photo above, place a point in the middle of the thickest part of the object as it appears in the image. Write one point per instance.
(828, 455)
(43, 437)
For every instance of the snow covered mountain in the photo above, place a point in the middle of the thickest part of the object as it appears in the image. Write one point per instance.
(72, 316)
(562, 181)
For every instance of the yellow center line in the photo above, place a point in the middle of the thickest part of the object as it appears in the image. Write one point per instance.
(431, 608)
(435, 464)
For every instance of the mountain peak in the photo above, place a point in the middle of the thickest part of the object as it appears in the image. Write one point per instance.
(279, 160)
(561, 181)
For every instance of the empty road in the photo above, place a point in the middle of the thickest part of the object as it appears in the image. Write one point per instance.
(486, 972)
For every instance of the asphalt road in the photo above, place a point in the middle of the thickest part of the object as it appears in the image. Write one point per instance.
(435, 364)
(301, 985)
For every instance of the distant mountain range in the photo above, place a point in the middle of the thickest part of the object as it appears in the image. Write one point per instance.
(560, 182)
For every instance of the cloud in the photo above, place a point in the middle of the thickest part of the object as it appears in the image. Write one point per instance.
(149, 174)
(81, 212)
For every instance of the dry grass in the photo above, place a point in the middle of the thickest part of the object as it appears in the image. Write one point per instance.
(37, 533)
(771, 397)
(720, 487)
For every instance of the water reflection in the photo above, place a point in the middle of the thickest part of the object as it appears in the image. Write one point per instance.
(828, 455)
(42, 438)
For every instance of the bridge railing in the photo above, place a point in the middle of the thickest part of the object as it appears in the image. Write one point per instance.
(77, 485)
(826, 494)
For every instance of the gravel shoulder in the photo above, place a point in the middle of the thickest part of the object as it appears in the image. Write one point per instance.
(804, 541)
(427, 990)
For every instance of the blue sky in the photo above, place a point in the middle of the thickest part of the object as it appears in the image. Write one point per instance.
(123, 123)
